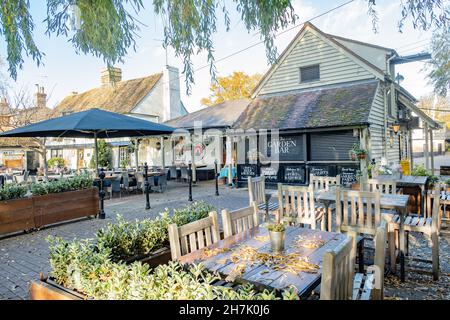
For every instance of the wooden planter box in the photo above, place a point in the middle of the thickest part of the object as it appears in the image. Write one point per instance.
(16, 215)
(47, 289)
(65, 206)
(35, 212)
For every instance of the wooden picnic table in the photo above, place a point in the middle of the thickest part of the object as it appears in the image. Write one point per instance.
(263, 276)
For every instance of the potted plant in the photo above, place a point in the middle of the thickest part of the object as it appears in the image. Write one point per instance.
(277, 235)
(357, 153)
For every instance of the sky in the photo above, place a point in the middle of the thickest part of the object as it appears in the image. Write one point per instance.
(64, 71)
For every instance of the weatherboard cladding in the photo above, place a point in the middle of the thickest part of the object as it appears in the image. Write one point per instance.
(344, 105)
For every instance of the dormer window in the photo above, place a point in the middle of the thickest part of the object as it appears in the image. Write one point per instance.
(309, 73)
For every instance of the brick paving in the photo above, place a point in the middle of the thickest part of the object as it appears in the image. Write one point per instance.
(24, 256)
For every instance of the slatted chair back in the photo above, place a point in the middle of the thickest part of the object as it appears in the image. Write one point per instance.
(184, 173)
(240, 220)
(338, 269)
(125, 180)
(173, 172)
(193, 236)
(360, 210)
(257, 190)
(384, 186)
(139, 180)
(324, 183)
(297, 205)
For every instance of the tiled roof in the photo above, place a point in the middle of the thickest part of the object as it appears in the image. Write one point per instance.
(334, 106)
(120, 98)
(218, 116)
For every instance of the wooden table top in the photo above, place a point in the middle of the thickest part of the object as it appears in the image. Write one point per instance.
(405, 181)
(263, 276)
(394, 201)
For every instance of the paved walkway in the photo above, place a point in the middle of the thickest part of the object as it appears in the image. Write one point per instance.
(23, 257)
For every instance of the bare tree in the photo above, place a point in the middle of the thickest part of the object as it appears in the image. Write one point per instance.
(22, 110)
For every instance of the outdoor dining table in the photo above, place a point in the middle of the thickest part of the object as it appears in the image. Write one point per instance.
(265, 276)
(398, 202)
(410, 181)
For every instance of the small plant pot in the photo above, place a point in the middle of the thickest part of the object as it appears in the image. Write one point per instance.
(353, 156)
(361, 156)
(277, 241)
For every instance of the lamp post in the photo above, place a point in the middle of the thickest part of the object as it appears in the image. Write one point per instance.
(102, 214)
(216, 176)
(146, 186)
(190, 181)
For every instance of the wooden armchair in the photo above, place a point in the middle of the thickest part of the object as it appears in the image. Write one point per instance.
(370, 285)
(383, 186)
(297, 205)
(337, 271)
(257, 194)
(239, 220)
(324, 183)
(427, 226)
(193, 236)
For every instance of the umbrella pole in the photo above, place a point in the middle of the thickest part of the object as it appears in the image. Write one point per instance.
(96, 154)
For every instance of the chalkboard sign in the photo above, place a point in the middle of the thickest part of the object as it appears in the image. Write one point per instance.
(322, 171)
(286, 148)
(270, 173)
(348, 175)
(247, 170)
(294, 174)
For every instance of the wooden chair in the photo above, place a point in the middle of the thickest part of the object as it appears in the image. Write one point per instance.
(384, 187)
(370, 285)
(428, 226)
(173, 173)
(360, 210)
(240, 220)
(324, 183)
(193, 236)
(184, 174)
(297, 205)
(338, 269)
(257, 194)
(444, 204)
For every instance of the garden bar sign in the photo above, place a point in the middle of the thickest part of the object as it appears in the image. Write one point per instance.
(287, 148)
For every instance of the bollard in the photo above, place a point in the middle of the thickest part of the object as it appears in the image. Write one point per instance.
(147, 187)
(190, 181)
(216, 175)
(102, 214)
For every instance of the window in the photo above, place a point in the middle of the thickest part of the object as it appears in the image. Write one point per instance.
(56, 153)
(124, 156)
(310, 73)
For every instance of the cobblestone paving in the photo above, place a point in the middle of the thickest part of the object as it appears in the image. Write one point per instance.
(23, 257)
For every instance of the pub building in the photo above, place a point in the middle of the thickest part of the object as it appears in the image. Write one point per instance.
(325, 94)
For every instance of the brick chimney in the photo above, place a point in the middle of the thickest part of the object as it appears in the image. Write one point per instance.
(110, 76)
(40, 97)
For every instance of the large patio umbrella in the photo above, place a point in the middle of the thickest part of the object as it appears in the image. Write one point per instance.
(93, 123)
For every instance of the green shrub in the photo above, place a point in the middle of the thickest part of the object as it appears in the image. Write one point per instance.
(63, 185)
(56, 162)
(81, 266)
(420, 171)
(129, 239)
(193, 212)
(13, 191)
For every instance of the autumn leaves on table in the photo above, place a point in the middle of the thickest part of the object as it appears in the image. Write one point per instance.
(244, 256)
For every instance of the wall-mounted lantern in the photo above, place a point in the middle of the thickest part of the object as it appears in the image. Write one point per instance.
(396, 127)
